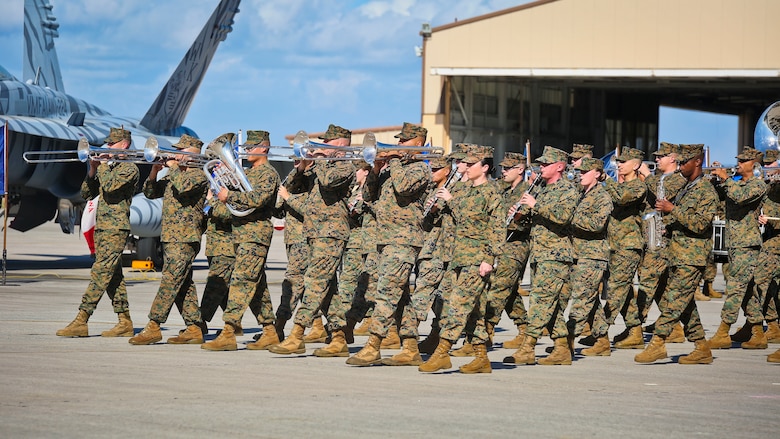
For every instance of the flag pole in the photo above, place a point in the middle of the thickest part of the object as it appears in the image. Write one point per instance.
(5, 198)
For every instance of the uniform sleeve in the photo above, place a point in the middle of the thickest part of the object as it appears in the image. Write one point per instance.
(741, 194)
(90, 188)
(498, 225)
(155, 188)
(558, 208)
(186, 181)
(265, 186)
(297, 202)
(626, 193)
(335, 174)
(118, 178)
(408, 180)
(596, 218)
(695, 215)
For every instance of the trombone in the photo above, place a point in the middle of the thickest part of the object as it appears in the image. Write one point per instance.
(372, 148)
(155, 154)
(305, 149)
(83, 153)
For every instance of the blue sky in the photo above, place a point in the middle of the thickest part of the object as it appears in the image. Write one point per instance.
(288, 64)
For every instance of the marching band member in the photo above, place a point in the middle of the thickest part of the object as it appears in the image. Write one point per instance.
(252, 237)
(743, 199)
(221, 256)
(115, 184)
(402, 184)
(688, 219)
(183, 191)
(326, 225)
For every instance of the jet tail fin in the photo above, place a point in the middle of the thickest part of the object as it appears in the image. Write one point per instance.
(41, 65)
(168, 111)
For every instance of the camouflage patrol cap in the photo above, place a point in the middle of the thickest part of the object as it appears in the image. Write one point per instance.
(580, 150)
(460, 150)
(666, 148)
(336, 132)
(627, 153)
(749, 153)
(187, 141)
(512, 159)
(439, 162)
(770, 156)
(589, 163)
(257, 137)
(362, 164)
(689, 151)
(552, 155)
(478, 153)
(117, 134)
(412, 131)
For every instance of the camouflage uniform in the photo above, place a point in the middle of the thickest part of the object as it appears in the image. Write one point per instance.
(626, 243)
(589, 238)
(552, 253)
(743, 199)
(184, 195)
(480, 231)
(363, 306)
(690, 227)
(768, 274)
(326, 226)
(252, 235)
(221, 256)
(115, 183)
(400, 236)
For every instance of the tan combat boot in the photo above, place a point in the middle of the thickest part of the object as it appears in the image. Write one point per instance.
(122, 329)
(225, 341)
(635, 340)
(481, 362)
(700, 355)
(721, 339)
(76, 328)
(774, 358)
(428, 345)
(409, 355)
(238, 330)
(440, 359)
(336, 348)
(317, 334)
(586, 330)
(561, 354)
(524, 355)
(655, 350)
(268, 339)
(743, 334)
(516, 342)
(699, 296)
(392, 341)
(757, 340)
(708, 290)
(600, 349)
(522, 291)
(293, 344)
(677, 335)
(467, 350)
(191, 335)
(772, 332)
(364, 327)
(370, 354)
(150, 334)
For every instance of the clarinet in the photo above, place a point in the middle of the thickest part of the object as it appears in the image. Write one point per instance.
(454, 176)
(517, 205)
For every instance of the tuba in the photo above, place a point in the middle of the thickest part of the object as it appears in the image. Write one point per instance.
(225, 171)
(767, 128)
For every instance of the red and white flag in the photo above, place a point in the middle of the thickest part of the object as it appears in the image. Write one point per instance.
(88, 220)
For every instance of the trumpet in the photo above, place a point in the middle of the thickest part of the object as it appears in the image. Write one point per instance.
(305, 149)
(225, 170)
(372, 148)
(83, 153)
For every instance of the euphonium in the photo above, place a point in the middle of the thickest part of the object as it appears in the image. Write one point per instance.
(226, 171)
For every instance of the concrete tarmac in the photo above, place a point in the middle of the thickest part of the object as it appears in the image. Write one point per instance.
(105, 387)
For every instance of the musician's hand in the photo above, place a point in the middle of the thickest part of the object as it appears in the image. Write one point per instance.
(664, 206)
(513, 211)
(209, 195)
(720, 173)
(283, 193)
(485, 269)
(170, 163)
(644, 170)
(93, 165)
(444, 194)
(529, 200)
(223, 194)
(762, 219)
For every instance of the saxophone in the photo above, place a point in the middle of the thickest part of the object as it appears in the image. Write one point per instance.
(653, 222)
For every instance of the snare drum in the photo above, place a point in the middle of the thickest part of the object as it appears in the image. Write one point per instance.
(719, 241)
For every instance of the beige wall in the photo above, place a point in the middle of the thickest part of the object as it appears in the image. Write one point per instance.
(605, 34)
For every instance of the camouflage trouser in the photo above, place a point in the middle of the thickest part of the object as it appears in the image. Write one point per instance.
(350, 281)
(323, 263)
(292, 285)
(545, 306)
(502, 294)
(177, 281)
(711, 270)
(106, 274)
(653, 275)
(585, 277)
(429, 275)
(678, 305)
(768, 271)
(395, 266)
(215, 293)
(370, 264)
(248, 286)
(466, 304)
(742, 263)
(620, 286)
